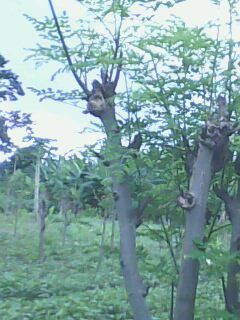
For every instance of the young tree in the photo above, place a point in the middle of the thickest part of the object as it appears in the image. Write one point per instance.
(19, 194)
(213, 140)
(10, 88)
(101, 103)
(39, 149)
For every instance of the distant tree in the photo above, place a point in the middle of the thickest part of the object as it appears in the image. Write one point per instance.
(19, 195)
(10, 89)
(40, 149)
(9, 121)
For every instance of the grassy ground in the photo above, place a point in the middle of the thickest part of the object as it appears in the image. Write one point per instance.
(66, 285)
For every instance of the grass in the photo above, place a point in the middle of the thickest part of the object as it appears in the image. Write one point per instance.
(66, 285)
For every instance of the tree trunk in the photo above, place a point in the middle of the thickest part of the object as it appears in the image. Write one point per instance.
(232, 290)
(65, 225)
(101, 248)
(135, 289)
(16, 215)
(16, 207)
(42, 217)
(114, 215)
(36, 188)
(7, 202)
(101, 104)
(15, 165)
(64, 211)
(194, 232)
(104, 108)
(233, 282)
(211, 157)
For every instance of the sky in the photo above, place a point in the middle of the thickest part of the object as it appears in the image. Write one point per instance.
(56, 120)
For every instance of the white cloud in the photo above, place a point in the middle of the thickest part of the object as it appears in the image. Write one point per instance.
(197, 12)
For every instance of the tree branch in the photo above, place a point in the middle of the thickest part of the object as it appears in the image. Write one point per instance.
(119, 68)
(224, 291)
(136, 143)
(211, 231)
(169, 244)
(65, 49)
(139, 212)
(221, 193)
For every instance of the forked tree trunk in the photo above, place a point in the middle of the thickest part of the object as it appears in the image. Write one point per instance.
(105, 110)
(194, 233)
(101, 105)
(211, 157)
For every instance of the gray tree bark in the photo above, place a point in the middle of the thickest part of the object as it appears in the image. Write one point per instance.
(101, 247)
(195, 223)
(114, 216)
(211, 157)
(104, 108)
(232, 290)
(233, 284)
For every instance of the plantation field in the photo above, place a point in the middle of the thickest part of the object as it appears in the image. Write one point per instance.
(67, 284)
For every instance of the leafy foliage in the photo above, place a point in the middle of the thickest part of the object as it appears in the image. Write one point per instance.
(10, 87)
